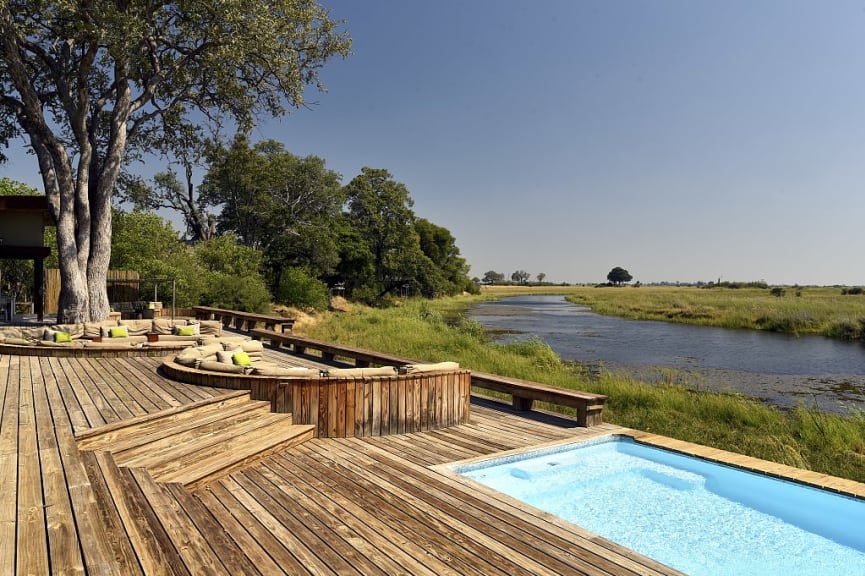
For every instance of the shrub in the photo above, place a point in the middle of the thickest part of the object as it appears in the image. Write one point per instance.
(247, 294)
(300, 289)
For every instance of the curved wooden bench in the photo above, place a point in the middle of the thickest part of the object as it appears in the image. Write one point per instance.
(345, 406)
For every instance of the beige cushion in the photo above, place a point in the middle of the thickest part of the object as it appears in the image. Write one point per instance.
(215, 366)
(137, 327)
(225, 357)
(254, 348)
(361, 372)
(188, 357)
(34, 333)
(94, 329)
(294, 371)
(211, 327)
(19, 341)
(10, 332)
(72, 344)
(438, 366)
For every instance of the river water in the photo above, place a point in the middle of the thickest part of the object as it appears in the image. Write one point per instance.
(778, 368)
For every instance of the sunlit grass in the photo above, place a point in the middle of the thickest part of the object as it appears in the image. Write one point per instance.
(438, 330)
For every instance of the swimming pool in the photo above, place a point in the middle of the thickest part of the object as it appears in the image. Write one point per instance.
(697, 516)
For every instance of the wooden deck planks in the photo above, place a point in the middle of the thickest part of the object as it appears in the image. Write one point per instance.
(355, 506)
(9, 407)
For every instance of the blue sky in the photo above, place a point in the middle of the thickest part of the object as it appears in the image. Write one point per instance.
(682, 140)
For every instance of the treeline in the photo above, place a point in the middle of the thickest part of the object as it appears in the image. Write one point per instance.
(268, 225)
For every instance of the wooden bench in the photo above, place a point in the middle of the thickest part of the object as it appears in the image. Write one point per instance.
(243, 320)
(524, 393)
(299, 345)
(589, 406)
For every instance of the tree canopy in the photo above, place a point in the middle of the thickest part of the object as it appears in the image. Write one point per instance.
(93, 85)
(277, 202)
(619, 276)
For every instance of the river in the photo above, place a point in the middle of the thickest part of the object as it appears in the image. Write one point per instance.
(778, 368)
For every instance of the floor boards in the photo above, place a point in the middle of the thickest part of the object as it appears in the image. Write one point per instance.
(78, 494)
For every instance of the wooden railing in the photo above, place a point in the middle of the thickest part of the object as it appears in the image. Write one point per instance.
(523, 393)
(243, 320)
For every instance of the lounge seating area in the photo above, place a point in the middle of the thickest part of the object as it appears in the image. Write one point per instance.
(338, 402)
(113, 334)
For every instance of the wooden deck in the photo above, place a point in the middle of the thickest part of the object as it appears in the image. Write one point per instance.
(94, 456)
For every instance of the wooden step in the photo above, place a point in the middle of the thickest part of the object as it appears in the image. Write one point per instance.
(158, 441)
(240, 452)
(196, 444)
(183, 453)
(100, 438)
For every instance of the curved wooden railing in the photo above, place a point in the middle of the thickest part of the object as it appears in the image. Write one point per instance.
(589, 406)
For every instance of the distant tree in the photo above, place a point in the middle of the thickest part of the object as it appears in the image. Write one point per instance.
(541, 277)
(520, 276)
(619, 276)
(491, 277)
(776, 291)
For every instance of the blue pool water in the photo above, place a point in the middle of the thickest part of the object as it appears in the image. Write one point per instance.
(697, 516)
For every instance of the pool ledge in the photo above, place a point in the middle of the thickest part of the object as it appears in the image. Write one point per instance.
(773, 469)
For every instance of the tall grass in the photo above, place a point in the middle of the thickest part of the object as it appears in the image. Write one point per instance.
(438, 330)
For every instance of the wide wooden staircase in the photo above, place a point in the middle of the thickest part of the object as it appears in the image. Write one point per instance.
(197, 443)
(144, 476)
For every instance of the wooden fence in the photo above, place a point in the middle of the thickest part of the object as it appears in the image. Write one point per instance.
(118, 291)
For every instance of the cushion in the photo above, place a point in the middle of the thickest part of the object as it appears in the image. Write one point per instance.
(417, 368)
(186, 330)
(166, 326)
(137, 327)
(118, 332)
(48, 334)
(241, 359)
(252, 346)
(225, 357)
(209, 352)
(212, 327)
(214, 366)
(94, 329)
(62, 337)
(361, 372)
(295, 371)
(188, 357)
(19, 341)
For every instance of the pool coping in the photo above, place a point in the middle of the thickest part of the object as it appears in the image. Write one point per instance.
(811, 478)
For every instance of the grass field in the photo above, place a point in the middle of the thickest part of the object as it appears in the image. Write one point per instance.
(438, 330)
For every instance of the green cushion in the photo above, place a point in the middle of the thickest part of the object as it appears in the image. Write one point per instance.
(62, 337)
(241, 359)
(186, 330)
(118, 332)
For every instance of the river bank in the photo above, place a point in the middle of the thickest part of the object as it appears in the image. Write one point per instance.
(780, 369)
(834, 312)
(438, 330)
